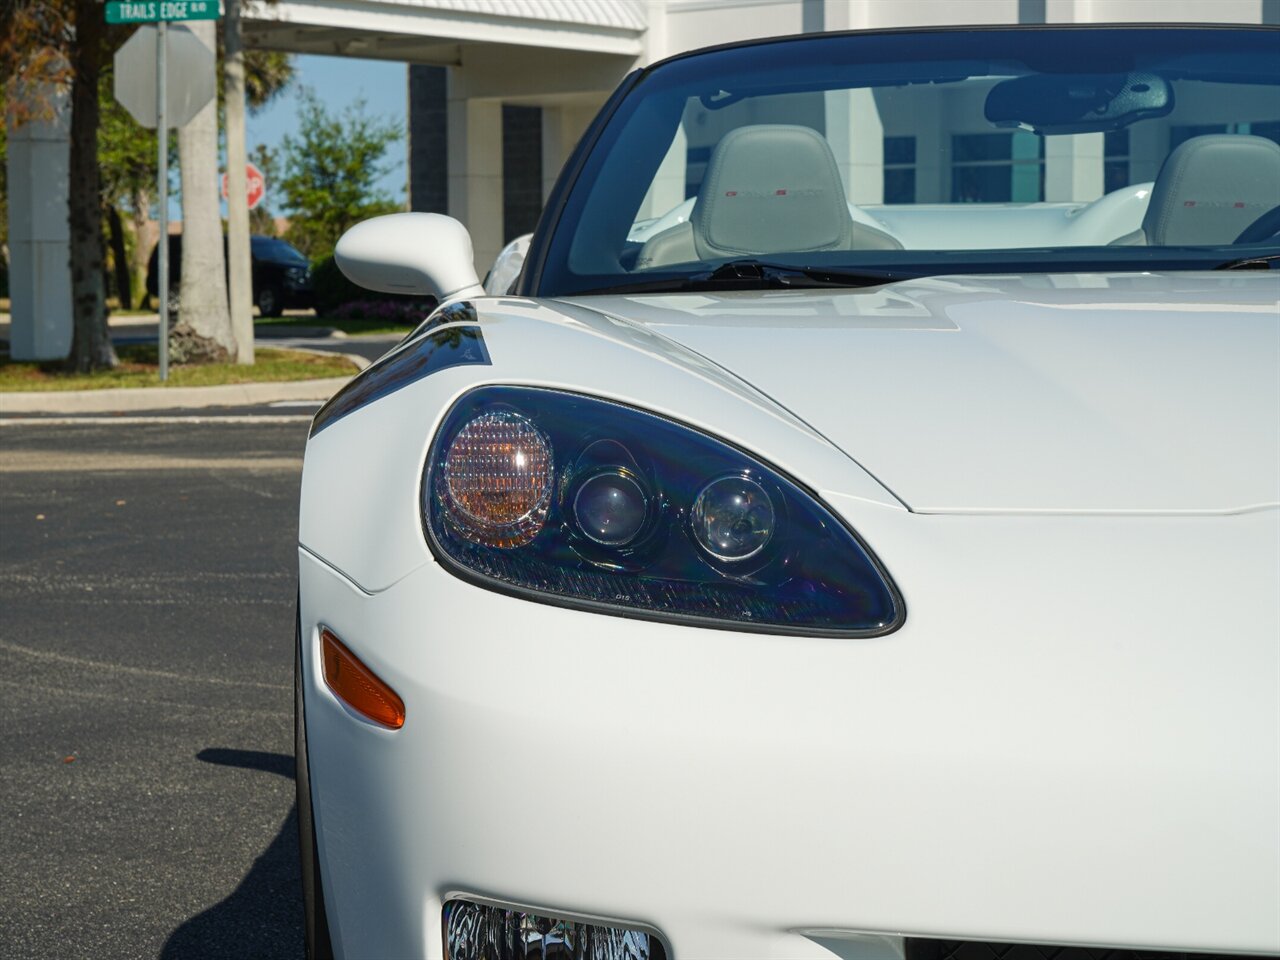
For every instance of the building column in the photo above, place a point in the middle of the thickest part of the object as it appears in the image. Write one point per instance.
(563, 125)
(856, 135)
(852, 15)
(553, 155)
(1073, 167)
(1061, 11)
(933, 150)
(39, 233)
(475, 173)
(668, 187)
(1148, 147)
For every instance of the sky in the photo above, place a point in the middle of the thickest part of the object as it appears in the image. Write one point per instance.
(338, 81)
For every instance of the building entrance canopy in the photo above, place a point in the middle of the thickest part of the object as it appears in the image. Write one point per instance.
(441, 31)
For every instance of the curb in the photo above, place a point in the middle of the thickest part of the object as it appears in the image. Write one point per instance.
(124, 399)
(267, 331)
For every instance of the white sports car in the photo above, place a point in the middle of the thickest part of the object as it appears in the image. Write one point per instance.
(854, 534)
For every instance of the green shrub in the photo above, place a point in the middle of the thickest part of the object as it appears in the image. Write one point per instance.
(331, 288)
(338, 297)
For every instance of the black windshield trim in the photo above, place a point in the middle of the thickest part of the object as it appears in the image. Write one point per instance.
(953, 28)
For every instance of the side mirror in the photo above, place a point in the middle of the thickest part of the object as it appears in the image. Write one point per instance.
(416, 253)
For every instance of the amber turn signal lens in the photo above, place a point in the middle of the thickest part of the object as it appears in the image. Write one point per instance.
(357, 686)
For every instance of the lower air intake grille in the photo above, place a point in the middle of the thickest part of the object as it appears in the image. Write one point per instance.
(918, 949)
(476, 931)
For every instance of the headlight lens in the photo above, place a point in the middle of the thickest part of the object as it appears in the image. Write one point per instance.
(610, 508)
(587, 503)
(732, 518)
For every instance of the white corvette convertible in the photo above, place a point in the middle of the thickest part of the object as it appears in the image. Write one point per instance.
(854, 534)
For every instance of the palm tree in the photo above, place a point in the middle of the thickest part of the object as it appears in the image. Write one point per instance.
(203, 333)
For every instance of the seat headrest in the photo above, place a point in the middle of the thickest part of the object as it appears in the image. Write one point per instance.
(770, 188)
(1210, 188)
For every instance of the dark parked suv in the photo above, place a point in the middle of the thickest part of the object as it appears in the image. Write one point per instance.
(281, 274)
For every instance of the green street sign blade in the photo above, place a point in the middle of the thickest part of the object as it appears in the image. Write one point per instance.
(152, 11)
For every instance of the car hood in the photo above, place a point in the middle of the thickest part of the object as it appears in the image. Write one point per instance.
(1062, 393)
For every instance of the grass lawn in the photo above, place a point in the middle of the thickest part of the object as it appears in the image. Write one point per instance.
(352, 328)
(139, 367)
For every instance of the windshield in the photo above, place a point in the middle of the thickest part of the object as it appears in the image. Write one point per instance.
(907, 154)
(274, 249)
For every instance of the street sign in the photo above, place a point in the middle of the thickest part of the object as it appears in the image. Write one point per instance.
(257, 185)
(144, 88)
(153, 11)
(189, 85)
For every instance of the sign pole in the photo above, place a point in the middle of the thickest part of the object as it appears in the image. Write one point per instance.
(195, 88)
(162, 130)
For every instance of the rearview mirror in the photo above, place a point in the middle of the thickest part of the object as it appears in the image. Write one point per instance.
(1049, 104)
(417, 253)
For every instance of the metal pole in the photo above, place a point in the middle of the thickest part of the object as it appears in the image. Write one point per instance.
(162, 138)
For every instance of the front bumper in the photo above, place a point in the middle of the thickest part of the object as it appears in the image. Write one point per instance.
(1074, 739)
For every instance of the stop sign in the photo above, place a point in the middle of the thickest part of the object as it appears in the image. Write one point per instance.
(257, 184)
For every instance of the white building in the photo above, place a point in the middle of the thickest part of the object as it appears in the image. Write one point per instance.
(501, 90)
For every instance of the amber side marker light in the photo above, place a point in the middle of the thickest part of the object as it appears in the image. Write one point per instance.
(356, 685)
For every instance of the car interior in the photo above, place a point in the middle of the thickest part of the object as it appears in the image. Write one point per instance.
(773, 188)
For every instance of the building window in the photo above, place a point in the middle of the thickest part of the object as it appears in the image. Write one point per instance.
(521, 170)
(997, 167)
(1115, 160)
(899, 169)
(1270, 129)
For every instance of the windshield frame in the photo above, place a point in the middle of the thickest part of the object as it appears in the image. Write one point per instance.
(549, 248)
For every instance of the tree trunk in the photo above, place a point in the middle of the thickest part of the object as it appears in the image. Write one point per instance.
(90, 341)
(240, 274)
(203, 333)
(141, 202)
(120, 259)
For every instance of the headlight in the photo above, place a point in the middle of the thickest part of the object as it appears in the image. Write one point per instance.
(586, 503)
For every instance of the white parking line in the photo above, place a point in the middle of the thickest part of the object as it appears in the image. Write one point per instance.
(137, 421)
(309, 404)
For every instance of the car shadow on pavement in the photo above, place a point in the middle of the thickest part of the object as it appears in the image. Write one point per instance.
(262, 918)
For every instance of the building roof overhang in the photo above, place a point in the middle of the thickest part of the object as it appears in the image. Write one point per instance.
(438, 31)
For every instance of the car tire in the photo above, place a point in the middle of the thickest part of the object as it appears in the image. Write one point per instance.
(270, 302)
(315, 922)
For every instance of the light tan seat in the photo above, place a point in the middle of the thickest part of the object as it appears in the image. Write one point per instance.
(769, 188)
(1209, 189)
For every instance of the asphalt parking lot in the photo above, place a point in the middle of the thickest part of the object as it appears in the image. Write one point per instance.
(147, 584)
